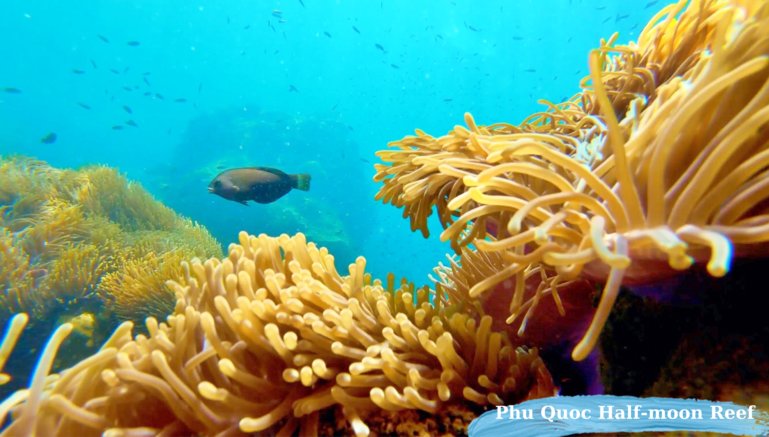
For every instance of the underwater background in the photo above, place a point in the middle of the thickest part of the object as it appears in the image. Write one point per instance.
(591, 174)
(171, 93)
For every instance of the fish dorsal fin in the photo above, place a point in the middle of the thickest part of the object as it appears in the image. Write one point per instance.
(274, 171)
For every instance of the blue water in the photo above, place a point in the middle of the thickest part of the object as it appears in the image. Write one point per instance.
(288, 85)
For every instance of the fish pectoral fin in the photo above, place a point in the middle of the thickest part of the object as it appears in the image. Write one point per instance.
(243, 202)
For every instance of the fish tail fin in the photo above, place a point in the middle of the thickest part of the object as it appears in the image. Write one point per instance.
(301, 181)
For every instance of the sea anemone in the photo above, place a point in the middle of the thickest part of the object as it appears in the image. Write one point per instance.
(272, 338)
(658, 165)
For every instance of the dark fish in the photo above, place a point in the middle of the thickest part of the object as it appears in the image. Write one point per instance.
(93, 64)
(159, 96)
(260, 184)
(606, 20)
(248, 26)
(50, 138)
(530, 70)
(276, 13)
(103, 38)
(200, 87)
(127, 109)
(471, 27)
(83, 105)
(147, 93)
(302, 3)
(379, 47)
(517, 38)
(327, 34)
(600, 8)
(114, 70)
(117, 127)
(131, 123)
(12, 90)
(180, 100)
(355, 29)
(650, 4)
(292, 89)
(395, 66)
(620, 17)
(133, 43)
(146, 81)
(448, 100)
(127, 88)
(78, 71)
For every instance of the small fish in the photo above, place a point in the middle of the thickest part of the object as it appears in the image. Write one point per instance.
(159, 96)
(127, 109)
(650, 4)
(380, 48)
(11, 90)
(113, 70)
(302, 3)
(530, 70)
(93, 64)
(131, 123)
(356, 30)
(327, 34)
(200, 87)
(147, 93)
(276, 13)
(82, 324)
(83, 105)
(180, 100)
(619, 17)
(146, 81)
(117, 127)
(471, 27)
(127, 88)
(125, 70)
(133, 43)
(517, 38)
(246, 27)
(448, 100)
(606, 20)
(260, 184)
(103, 38)
(600, 8)
(78, 71)
(395, 66)
(49, 138)
(292, 89)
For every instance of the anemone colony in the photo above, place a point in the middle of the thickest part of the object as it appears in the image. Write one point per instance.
(275, 317)
(657, 166)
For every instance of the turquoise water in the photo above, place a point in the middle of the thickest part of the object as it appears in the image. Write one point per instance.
(304, 86)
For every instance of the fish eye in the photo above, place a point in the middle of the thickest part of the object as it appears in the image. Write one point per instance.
(217, 184)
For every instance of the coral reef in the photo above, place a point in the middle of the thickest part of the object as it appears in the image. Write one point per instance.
(69, 239)
(656, 166)
(275, 317)
(63, 231)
